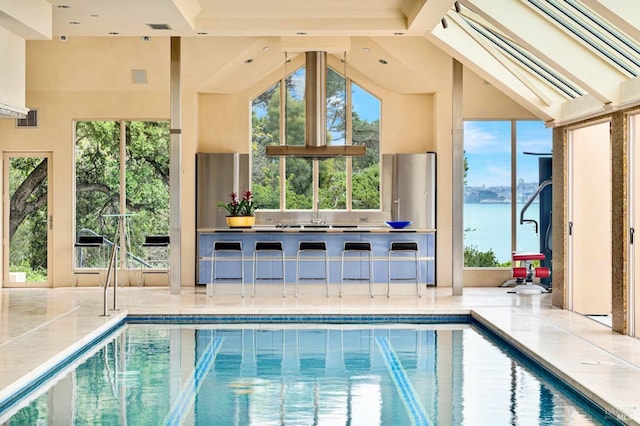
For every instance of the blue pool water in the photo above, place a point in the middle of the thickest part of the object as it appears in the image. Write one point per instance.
(302, 374)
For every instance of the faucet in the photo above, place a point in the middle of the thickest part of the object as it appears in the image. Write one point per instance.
(397, 203)
(316, 219)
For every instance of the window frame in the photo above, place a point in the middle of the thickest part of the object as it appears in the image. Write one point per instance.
(315, 163)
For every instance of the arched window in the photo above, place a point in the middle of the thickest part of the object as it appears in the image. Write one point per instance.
(340, 183)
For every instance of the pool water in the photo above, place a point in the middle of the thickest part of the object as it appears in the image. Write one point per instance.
(307, 374)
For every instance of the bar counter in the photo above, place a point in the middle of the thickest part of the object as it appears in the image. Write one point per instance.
(335, 236)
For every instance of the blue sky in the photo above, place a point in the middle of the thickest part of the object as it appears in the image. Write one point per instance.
(487, 146)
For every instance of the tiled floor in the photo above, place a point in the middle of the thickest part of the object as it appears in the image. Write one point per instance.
(40, 326)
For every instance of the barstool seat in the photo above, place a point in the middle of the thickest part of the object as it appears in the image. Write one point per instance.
(360, 247)
(231, 248)
(312, 246)
(410, 247)
(271, 247)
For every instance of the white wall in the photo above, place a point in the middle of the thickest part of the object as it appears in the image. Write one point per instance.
(12, 83)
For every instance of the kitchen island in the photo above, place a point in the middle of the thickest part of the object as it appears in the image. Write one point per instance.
(335, 236)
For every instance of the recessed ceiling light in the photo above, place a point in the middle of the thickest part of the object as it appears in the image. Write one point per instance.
(366, 50)
(113, 33)
(301, 33)
(202, 33)
(64, 6)
(383, 61)
(265, 49)
(248, 61)
(398, 33)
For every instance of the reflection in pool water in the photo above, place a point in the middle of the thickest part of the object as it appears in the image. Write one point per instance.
(305, 374)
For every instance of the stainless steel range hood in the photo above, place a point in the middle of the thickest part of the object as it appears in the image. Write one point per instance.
(316, 117)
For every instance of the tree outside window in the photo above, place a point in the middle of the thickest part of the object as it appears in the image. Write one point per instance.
(100, 190)
(296, 177)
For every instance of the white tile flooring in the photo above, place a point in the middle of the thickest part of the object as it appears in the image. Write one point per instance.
(42, 326)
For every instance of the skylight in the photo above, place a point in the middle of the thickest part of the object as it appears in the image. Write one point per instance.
(593, 32)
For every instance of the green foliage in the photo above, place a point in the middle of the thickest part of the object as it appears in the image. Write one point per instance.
(298, 172)
(28, 220)
(366, 188)
(476, 258)
(299, 183)
(98, 178)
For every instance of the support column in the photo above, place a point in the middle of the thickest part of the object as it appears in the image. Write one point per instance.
(175, 170)
(457, 187)
(560, 216)
(619, 223)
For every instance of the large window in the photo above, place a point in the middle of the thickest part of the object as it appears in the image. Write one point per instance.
(122, 167)
(302, 184)
(491, 147)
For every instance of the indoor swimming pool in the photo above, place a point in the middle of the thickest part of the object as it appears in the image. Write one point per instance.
(301, 374)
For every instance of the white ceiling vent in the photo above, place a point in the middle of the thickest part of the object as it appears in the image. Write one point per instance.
(30, 121)
(159, 26)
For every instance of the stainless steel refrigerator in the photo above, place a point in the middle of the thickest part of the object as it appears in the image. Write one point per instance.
(217, 176)
(413, 188)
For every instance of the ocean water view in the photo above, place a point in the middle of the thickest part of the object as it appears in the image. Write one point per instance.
(488, 227)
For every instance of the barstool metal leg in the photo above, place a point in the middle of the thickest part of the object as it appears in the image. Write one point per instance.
(297, 272)
(389, 274)
(284, 284)
(270, 247)
(326, 271)
(404, 247)
(242, 273)
(213, 273)
(312, 247)
(255, 268)
(417, 275)
(236, 247)
(341, 273)
(370, 274)
(360, 248)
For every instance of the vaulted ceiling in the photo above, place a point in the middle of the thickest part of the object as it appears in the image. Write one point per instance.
(560, 59)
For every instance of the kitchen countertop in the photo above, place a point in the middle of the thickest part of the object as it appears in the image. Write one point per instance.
(331, 229)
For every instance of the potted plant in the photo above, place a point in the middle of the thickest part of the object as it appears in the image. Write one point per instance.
(240, 211)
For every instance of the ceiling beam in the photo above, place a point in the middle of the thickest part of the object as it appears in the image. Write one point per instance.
(426, 15)
(189, 10)
(31, 20)
(458, 44)
(513, 69)
(351, 26)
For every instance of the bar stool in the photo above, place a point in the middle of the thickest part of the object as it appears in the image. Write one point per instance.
(156, 248)
(360, 247)
(404, 247)
(88, 242)
(232, 249)
(312, 246)
(271, 247)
